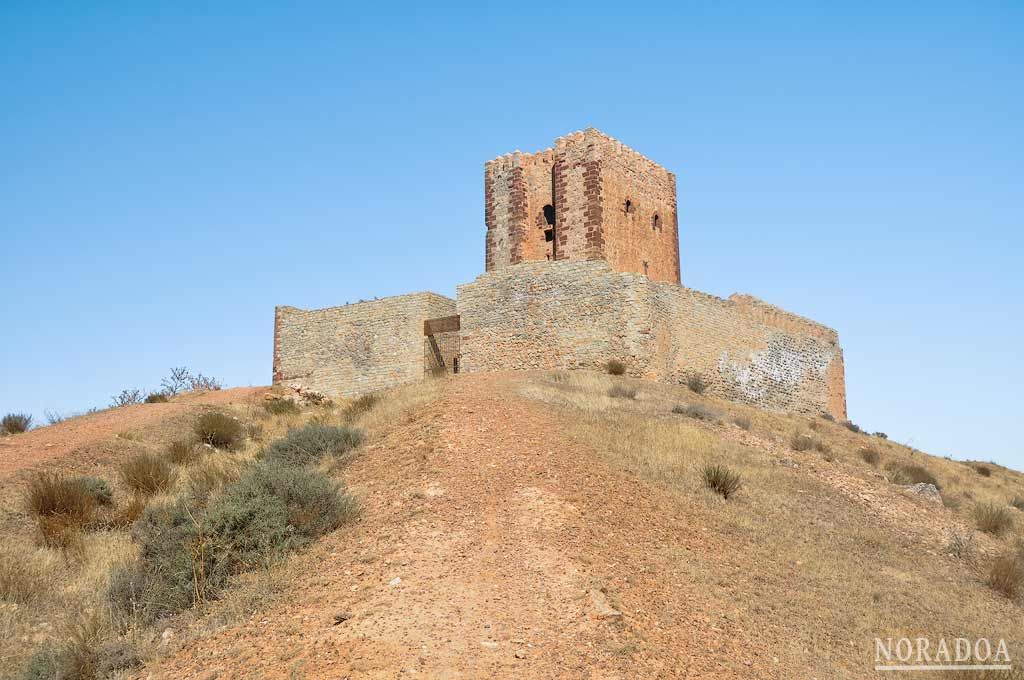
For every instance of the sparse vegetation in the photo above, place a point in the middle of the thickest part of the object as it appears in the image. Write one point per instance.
(182, 452)
(25, 573)
(126, 398)
(147, 474)
(852, 426)
(15, 423)
(157, 398)
(98, 489)
(622, 392)
(1018, 503)
(992, 518)
(696, 411)
(54, 417)
(360, 405)
(961, 546)
(615, 367)
(742, 422)
(696, 383)
(51, 495)
(281, 407)
(907, 474)
(881, 435)
(219, 430)
(1006, 574)
(870, 456)
(312, 442)
(983, 470)
(720, 479)
(801, 442)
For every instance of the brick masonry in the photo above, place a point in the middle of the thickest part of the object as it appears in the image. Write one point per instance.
(362, 347)
(581, 266)
(568, 315)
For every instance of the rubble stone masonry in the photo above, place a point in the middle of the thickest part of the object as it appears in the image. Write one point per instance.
(357, 348)
(570, 315)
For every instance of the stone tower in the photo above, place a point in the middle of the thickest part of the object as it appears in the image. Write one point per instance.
(588, 198)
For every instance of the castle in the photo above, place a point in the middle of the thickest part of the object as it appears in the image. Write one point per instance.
(582, 266)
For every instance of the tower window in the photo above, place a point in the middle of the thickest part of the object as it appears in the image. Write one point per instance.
(549, 235)
(628, 207)
(656, 222)
(549, 214)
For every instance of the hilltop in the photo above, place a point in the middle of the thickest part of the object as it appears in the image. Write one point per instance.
(545, 524)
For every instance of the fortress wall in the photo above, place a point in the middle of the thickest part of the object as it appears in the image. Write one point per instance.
(580, 314)
(355, 348)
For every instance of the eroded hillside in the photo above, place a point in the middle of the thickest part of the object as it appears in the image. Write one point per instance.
(558, 525)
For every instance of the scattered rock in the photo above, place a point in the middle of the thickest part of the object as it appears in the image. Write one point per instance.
(396, 581)
(788, 462)
(489, 644)
(520, 653)
(602, 608)
(341, 617)
(927, 491)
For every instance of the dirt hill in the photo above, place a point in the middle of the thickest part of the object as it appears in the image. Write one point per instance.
(534, 525)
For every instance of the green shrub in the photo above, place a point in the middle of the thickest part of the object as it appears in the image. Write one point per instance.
(97, 488)
(183, 452)
(312, 442)
(280, 407)
(361, 405)
(615, 367)
(721, 480)
(156, 398)
(907, 474)
(208, 478)
(1006, 574)
(696, 383)
(992, 518)
(219, 430)
(622, 392)
(696, 411)
(870, 456)
(147, 474)
(15, 423)
(1018, 503)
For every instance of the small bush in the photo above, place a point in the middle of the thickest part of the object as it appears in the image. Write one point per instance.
(721, 480)
(742, 422)
(1018, 503)
(615, 367)
(361, 405)
(15, 423)
(696, 383)
(906, 475)
(219, 430)
(209, 478)
(54, 417)
(622, 392)
(157, 398)
(254, 432)
(993, 519)
(126, 398)
(308, 444)
(696, 411)
(983, 471)
(280, 407)
(98, 489)
(881, 435)
(1006, 575)
(801, 442)
(50, 495)
(852, 426)
(829, 417)
(183, 452)
(870, 456)
(147, 474)
(960, 545)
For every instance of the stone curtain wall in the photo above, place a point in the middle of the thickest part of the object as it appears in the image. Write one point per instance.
(587, 178)
(357, 348)
(581, 314)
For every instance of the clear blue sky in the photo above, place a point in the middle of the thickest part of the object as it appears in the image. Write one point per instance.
(171, 171)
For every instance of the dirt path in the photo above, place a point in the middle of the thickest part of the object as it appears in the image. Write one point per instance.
(45, 444)
(488, 550)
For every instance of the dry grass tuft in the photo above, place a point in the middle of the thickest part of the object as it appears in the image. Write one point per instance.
(51, 496)
(721, 480)
(1006, 574)
(26, 573)
(615, 367)
(220, 431)
(183, 452)
(1018, 503)
(983, 470)
(696, 383)
(697, 411)
(147, 474)
(742, 422)
(801, 442)
(992, 518)
(908, 474)
(361, 405)
(622, 392)
(961, 546)
(281, 407)
(870, 456)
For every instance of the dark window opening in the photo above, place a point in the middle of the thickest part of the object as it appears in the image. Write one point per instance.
(549, 214)
(645, 267)
(656, 222)
(549, 235)
(629, 206)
